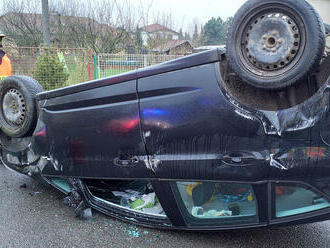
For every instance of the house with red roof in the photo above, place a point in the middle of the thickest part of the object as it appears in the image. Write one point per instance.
(158, 32)
(163, 40)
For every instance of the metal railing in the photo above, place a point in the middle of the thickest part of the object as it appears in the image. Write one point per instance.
(61, 67)
(113, 64)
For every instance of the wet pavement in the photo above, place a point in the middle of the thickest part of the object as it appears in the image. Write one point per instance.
(35, 216)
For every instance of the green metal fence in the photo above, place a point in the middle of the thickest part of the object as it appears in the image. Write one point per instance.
(64, 67)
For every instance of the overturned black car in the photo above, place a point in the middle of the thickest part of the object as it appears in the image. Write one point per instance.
(223, 139)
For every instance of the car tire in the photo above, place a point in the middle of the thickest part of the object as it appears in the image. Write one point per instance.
(273, 44)
(18, 107)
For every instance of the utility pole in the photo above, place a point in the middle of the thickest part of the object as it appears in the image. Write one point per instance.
(45, 22)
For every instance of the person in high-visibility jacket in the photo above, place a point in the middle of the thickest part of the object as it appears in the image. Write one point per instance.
(6, 68)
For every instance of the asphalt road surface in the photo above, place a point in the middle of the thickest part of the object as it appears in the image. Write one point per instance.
(35, 216)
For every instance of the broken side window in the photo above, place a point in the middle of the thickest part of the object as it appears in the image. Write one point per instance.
(135, 195)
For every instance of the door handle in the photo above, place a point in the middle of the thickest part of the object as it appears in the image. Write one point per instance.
(126, 162)
(239, 158)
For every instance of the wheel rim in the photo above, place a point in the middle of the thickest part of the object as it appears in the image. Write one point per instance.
(327, 41)
(14, 107)
(271, 41)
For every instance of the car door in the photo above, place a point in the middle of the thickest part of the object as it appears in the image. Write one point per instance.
(192, 131)
(94, 133)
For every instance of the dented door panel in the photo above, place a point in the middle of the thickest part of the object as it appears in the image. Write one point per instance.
(193, 132)
(95, 134)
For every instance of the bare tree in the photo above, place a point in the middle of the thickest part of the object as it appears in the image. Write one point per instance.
(21, 22)
(103, 25)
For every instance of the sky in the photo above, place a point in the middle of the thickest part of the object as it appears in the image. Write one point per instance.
(203, 9)
(185, 12)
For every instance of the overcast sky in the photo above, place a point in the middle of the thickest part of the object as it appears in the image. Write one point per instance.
(203, 9)
(185, 12)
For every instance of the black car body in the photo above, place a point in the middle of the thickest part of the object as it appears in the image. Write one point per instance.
(212, 162)
(235, 137)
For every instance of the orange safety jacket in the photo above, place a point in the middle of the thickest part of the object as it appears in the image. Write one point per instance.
(6, 68)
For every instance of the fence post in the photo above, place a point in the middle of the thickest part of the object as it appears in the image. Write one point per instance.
(95, 65)
(145, 63)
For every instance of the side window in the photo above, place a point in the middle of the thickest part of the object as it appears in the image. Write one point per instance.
(133, 195)
(292, 199)
(219, 204)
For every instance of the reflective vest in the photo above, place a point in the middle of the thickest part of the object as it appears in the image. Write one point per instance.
(6, 68)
